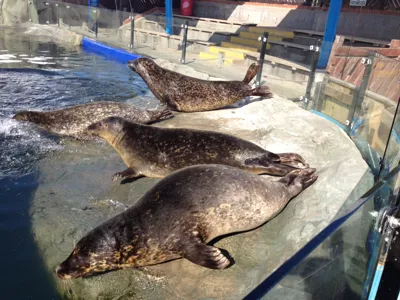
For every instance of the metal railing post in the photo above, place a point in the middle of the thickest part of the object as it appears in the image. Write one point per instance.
(368, 62)
(184, 41)
(48, 12)
(316, 50)
(264, 41)
(132, 32)
(95, 25)
(57, 15)
(67, 17)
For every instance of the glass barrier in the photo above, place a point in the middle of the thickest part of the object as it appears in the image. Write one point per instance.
(339, 263)
(229, 48)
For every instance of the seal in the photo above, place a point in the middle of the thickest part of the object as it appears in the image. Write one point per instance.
(180, 215)
(156, 152)
(187, 94)
(73, 121)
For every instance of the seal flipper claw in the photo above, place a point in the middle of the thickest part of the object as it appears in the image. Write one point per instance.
(263, 165)
(293, 159)
(206, 256)
(125, 174)
(262, 91)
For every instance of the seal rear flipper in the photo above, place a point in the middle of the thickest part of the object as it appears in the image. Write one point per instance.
(158, 114)
(262, 91)
(206, 256)
(126, 174)
(251, 72)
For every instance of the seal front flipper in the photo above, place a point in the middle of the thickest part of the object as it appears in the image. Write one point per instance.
(126, 174)
(262, 91)
(251, 72)
(204, 255)
(263, 165)
(293, 159)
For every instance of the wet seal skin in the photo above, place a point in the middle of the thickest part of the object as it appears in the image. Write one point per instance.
(180, 215)
(156, 152)
(73, 121)
(187, 94)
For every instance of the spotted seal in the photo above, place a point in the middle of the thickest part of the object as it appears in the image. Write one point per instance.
(187, 94)
(156, 152)
(180, 215)
(73, 121)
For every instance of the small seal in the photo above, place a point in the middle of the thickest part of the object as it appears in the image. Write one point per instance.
(156, 152)
(73, 121)
(180, 215)
(187, 94)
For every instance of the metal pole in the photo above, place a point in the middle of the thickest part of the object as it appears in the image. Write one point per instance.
(67, 17)
(313, 68)
(330, 32)
(264, 40)
(382, 162)
(95, 25)
(184, 41)
(132, 31)
(48, 12)
(58, 16)
(368, 62)
(168, 15)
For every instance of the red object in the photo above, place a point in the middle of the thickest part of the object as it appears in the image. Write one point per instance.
(187, 7)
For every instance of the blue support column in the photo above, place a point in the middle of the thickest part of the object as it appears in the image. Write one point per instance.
(168, 15)
(330, 32)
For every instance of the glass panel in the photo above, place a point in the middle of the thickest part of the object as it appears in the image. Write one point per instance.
(338, 265)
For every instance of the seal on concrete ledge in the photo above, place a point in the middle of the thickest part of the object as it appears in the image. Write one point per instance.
(156, 152)
(73, 121)
(187, 94)
(180, 215)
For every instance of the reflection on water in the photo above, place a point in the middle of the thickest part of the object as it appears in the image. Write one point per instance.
(37, 74)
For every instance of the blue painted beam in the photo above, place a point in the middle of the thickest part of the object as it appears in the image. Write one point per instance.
(107, 51)
(168, 15)
(330, 33)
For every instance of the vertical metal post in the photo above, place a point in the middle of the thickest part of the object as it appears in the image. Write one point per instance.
(48, 12)
(132, 31)
(67, 17)
(330, 32)
(184, 41)
(168, 15)
(264, 41)
(368, 62)
(313, 68)
(382, 163)
(96, 28)
(57, 15)
(221, 58)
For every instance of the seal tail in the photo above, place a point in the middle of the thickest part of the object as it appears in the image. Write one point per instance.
(159, 114)
(251, 72)
(262, 91)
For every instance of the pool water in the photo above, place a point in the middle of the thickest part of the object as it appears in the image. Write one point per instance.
(38, 74)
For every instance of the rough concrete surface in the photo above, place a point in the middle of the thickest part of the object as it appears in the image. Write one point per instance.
(59, 35)
(76, 194)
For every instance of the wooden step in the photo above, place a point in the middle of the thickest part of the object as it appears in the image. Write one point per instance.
(272, 32)
(227, 60)
(248, 42)
(238, 47)
(255, 36)
(228, 52)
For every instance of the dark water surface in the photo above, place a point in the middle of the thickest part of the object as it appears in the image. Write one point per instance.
(37, 74)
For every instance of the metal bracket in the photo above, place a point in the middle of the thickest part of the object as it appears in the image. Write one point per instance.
(314, 48)
(184, 26)
(260, 38)
(366, 61)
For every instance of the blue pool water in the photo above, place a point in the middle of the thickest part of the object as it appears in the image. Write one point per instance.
(38, 74)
